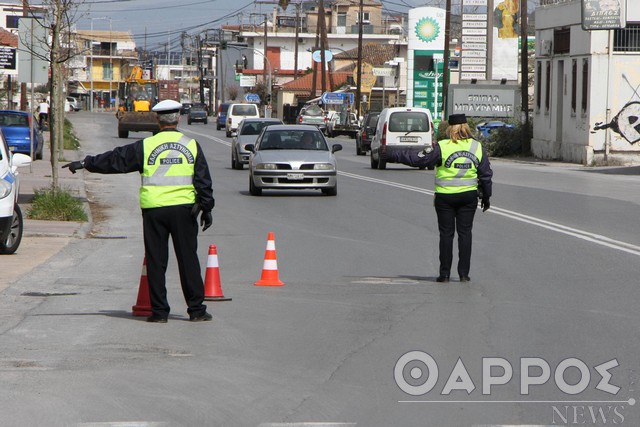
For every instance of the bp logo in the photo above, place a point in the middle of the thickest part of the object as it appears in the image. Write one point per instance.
(427, 29)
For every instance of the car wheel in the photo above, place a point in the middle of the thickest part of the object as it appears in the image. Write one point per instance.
(205, 121)
(123, 134)
(218, 127)
(374, 162)
(40, 151)
(253, 190)
(358, 149)
(228, 134)
(333, 191)
(10, 245)
(189, 122)
(382, 164)
(233, 161)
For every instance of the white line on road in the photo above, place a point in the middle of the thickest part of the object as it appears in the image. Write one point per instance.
(559, 228)
(215, 138)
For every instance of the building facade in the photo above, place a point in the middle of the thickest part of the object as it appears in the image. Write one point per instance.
(586, 87)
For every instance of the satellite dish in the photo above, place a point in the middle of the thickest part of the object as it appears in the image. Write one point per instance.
(317, 56)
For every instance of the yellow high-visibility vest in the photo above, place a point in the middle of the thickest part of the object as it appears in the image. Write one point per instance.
(167, 174)
(459, 170)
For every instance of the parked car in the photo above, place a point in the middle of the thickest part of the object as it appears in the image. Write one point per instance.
(366, 131)
(221, 119)
(485, 128)
(248, 131)
(313, 114)
(198, 113)
(74, 103)
(238, 112)
(15, 126)
(292, 157)
(11, 224)
(399, 128)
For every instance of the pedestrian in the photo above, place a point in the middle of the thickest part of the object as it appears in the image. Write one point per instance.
(43, 113)
(176, 186)
(463, 174)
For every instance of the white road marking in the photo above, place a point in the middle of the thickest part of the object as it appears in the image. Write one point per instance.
(559, 228)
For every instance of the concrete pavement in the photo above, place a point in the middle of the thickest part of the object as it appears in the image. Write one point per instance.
(43, 239)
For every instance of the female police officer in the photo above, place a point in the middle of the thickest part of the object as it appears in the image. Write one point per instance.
(176, 185)
(462, 168)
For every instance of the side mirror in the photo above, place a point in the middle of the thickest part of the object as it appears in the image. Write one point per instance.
(336, 147)
(250, 147)
(19, 160)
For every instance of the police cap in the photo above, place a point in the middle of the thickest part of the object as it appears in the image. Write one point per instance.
(167, 106)
(457, 119)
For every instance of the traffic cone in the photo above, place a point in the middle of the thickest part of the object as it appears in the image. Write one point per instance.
(143, 304)
(270, 266)
(212, 286)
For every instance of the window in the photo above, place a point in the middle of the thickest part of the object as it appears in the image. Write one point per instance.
(547, 88)
(627, 39)
(538, 84)
(561, 41)
(574, 85)
(13, 21)
(342, 19)
(585, 85)
(365, 18)
(107, 71)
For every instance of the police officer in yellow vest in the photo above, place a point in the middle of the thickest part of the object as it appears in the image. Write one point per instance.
(176, 186)
(463, 173)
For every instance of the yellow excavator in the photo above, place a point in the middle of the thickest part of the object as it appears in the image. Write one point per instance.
(137, 96)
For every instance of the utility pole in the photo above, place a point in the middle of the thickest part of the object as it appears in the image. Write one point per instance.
(200, 73)
(445, 66)
(524, 75)
(295, 58)
(314, 63)
(323, 47)
(23, 85)
(359, 73)
(264, 61)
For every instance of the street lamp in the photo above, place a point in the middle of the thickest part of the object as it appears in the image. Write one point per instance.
(269, 88)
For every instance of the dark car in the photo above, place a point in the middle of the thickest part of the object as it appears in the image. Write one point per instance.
(186, 106)
(363, 137)
(221, 120)
(197, 113)
(16, 127)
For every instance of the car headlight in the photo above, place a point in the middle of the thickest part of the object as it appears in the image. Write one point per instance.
(5, 188)
(267, 166)
(323, 166)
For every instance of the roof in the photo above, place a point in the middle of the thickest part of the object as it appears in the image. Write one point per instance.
(105, 36)
(304, 83)
(7, 38)
(375, 54)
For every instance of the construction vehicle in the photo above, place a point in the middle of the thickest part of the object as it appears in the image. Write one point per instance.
(137, 97)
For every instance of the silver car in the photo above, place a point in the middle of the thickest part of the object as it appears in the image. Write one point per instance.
(290, 157)
(248, 131)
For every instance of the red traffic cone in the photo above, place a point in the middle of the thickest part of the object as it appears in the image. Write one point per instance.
(270, 266)
(143, 304)
(212, 286)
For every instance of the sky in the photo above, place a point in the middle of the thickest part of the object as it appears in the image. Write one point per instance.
(157, 24)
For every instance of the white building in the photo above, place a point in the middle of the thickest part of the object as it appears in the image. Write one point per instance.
(582, 79)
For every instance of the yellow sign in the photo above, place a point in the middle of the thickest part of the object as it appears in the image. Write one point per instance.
(368, 79)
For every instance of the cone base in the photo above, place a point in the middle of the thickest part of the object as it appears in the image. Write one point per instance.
(269, 283)
(140, 311)
(222, 298)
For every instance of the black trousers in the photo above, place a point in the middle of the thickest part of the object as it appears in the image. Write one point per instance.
(158, 224)
(455, 212)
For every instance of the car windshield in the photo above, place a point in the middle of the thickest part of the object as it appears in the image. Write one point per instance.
(254, 128)
(408, 121)
(372, 120)
(13, 120)
(198, 107)
(292, 140)
(244, 110)
(313, 110)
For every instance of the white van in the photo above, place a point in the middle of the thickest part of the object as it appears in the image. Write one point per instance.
(238, 112)
(399, 128)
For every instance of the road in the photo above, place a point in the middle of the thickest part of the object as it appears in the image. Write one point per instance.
(360, 334)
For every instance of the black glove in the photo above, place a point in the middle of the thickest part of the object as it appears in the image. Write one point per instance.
(206, 220)
(485, 204)
(74, 166)
(195, 210)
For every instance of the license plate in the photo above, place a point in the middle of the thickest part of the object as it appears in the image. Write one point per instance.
(295, 176)
(409, 139)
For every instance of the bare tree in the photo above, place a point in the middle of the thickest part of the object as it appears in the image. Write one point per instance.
(233, 91)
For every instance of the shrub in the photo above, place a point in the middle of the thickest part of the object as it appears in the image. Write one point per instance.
(56, 204)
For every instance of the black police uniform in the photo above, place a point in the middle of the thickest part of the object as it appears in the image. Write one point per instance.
(159, 223)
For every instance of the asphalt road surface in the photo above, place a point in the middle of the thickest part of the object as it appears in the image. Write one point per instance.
(546, 332)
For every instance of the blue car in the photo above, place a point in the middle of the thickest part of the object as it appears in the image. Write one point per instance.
(221, 120)
(487, 127)
(15, 126)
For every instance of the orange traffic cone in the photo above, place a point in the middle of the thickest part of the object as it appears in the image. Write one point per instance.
(212, 286)
(270, 266)
(143, 304)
